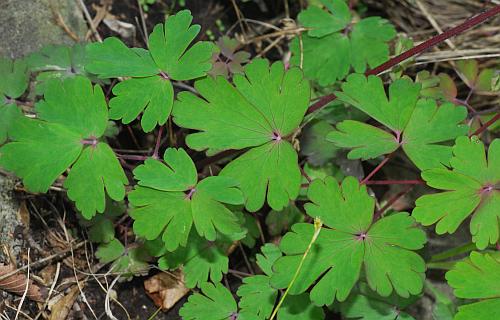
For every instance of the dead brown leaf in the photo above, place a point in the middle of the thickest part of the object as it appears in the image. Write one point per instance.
(16, 284)
(61, 309)
(165, 289)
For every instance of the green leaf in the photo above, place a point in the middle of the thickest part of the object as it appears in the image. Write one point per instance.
(351, 240)
(279, 221)
(14, 77)
(366, 141)
(201, 259)
(429, 126)
(477, 278)
(96, 169)
(214, 303)
(317, 59)
(314, 145)
(168, 44)
(355, 45)
(299, 307)
(72, 117)
(58, 62)
(112, 58)
(252, 229)
(419, 126)
(257, 296)
(323, 22)
(103, 230)
(134, 262)
(110, 251)
(368, 95)
(9, 113)
(367, 305)
(169, 200)
(150, 89)
(263, 108)
(470, 188)
(271, 167)
(369, 43)
(153, 95)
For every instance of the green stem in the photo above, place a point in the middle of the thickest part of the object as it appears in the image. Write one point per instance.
(317, 228)
(453, 252)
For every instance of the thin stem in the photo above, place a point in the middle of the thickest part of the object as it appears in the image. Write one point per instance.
(132, 157)
(377, 168)
(216, 157)
(453, 252)
(391, 201)
(158, 142)
(305, 175)
(317, 228)
(467, 24)
(391, 182)
(486, 125)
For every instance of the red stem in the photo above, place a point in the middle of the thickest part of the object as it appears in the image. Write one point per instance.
(390, 182)
(158, 142)
(467, 24)
(486, 125)
(391, 201)
(377, 168)
(132, 157)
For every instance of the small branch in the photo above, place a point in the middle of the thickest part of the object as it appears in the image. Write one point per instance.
(468, 24)
(391, 201)
(132, 157)
(486, 125)
(305, 175)
(393, 182)
(377, 168)
(158, 142)
(216, 157)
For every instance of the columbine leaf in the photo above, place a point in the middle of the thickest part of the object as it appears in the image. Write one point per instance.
(201, 260)
(279, 221)
(366, 141)
(402, 113)
(319, 62)
(169, 200)
(58, 62)
(322, 22)
(14, 79)
(477, 278)
(72, 117)
(369, 43)
(150, 90)
(97, 167)
(357, 45)
(314, 145)
(368, 95)
(257, 296)
(367, 305)
(216, 303)
(110, 251)
(168, 44)
(260, 111)
(352, 240)
(8, 115)
(472, 187)
(228, 61)
(106, 59)
(154, 95)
